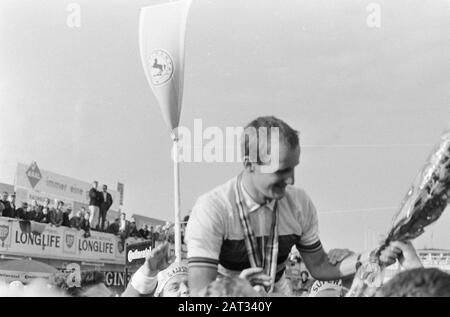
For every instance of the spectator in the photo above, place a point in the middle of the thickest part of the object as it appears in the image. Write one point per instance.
(166, 281)
(7, 209)
(21, 212)
(105, 202)
(114, 227)
(305, 283)
(85, 224)
(44, 215)
(1, 209)
(144, 231)
(66, 217)
(418, 282)
(75, 221)
(12, 202)
(31, 211)
(94, 204)
(56, 216)
(132, 229)
(106, 225)
(123, 224)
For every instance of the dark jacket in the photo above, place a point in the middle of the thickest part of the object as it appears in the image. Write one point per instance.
(44, 217)
(66, 221)
(56, 217)
(8, 211)
(105, 204)
(113, 228)
(94, 199)
(20, 213)
(30, 215)
(75, 222)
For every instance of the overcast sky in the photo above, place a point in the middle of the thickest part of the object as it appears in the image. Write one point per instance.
(369, 102)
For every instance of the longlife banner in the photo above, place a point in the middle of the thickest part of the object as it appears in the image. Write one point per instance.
(59, 243)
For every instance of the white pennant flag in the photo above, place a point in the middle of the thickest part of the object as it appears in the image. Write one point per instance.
(161, 40)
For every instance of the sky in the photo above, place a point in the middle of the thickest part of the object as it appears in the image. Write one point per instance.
(369, 102)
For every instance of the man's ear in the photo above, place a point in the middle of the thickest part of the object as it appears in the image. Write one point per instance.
(248, 166)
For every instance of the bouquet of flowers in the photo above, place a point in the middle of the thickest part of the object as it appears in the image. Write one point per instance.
(423, 204)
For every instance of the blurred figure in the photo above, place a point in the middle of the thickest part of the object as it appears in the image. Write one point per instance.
(85, 224)
(44, 214)
(75, 221)
(31, 211)
(144, 232)
(12, 202)
(132, 229)
(67, 214)
(94, 204)
(105, 202)
(305, 283)
(114, 227)
(21, 212)
(7, 209)
(56, 215)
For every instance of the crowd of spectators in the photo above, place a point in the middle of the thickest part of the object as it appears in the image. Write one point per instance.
(59, 215)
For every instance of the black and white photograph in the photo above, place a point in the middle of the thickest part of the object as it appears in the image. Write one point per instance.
(225, 148)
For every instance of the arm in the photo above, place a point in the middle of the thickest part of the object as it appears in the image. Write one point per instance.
(320, 267)
(204, 236)
(199, 278)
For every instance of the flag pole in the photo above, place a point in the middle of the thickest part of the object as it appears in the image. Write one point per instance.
(176, 181)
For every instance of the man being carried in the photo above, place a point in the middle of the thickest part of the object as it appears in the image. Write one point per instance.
(254, 219)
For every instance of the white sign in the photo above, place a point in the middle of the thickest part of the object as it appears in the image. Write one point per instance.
(35, 183)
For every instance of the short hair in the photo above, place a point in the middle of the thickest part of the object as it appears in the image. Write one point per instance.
(420, 282)
(252, 143)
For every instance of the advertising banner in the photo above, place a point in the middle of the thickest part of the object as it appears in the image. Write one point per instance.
(59, 243)
(31, 182)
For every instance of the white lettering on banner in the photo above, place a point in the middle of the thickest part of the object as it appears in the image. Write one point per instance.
(59, 243)
(114, 278)
(138, 254)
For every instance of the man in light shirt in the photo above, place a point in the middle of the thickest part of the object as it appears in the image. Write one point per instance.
(255, 218)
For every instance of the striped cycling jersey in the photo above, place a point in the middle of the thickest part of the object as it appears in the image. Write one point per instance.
(215, 237)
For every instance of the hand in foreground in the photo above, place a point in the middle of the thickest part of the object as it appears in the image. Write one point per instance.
(408, 257)
(255, 276)
(157, 260)
(336, 256)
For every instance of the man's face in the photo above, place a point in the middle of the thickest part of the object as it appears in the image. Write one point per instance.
(177, 286)
(105, 188)
(46, 203)
(12, 199)
(273, 185)
(4, 196)
(94, 185)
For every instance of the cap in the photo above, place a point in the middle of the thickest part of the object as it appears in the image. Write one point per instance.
(164, 276)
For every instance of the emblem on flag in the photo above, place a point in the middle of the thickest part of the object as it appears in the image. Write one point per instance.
(161, 67)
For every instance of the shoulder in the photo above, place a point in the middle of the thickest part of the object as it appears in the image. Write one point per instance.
(218, 200)
(300, 202)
